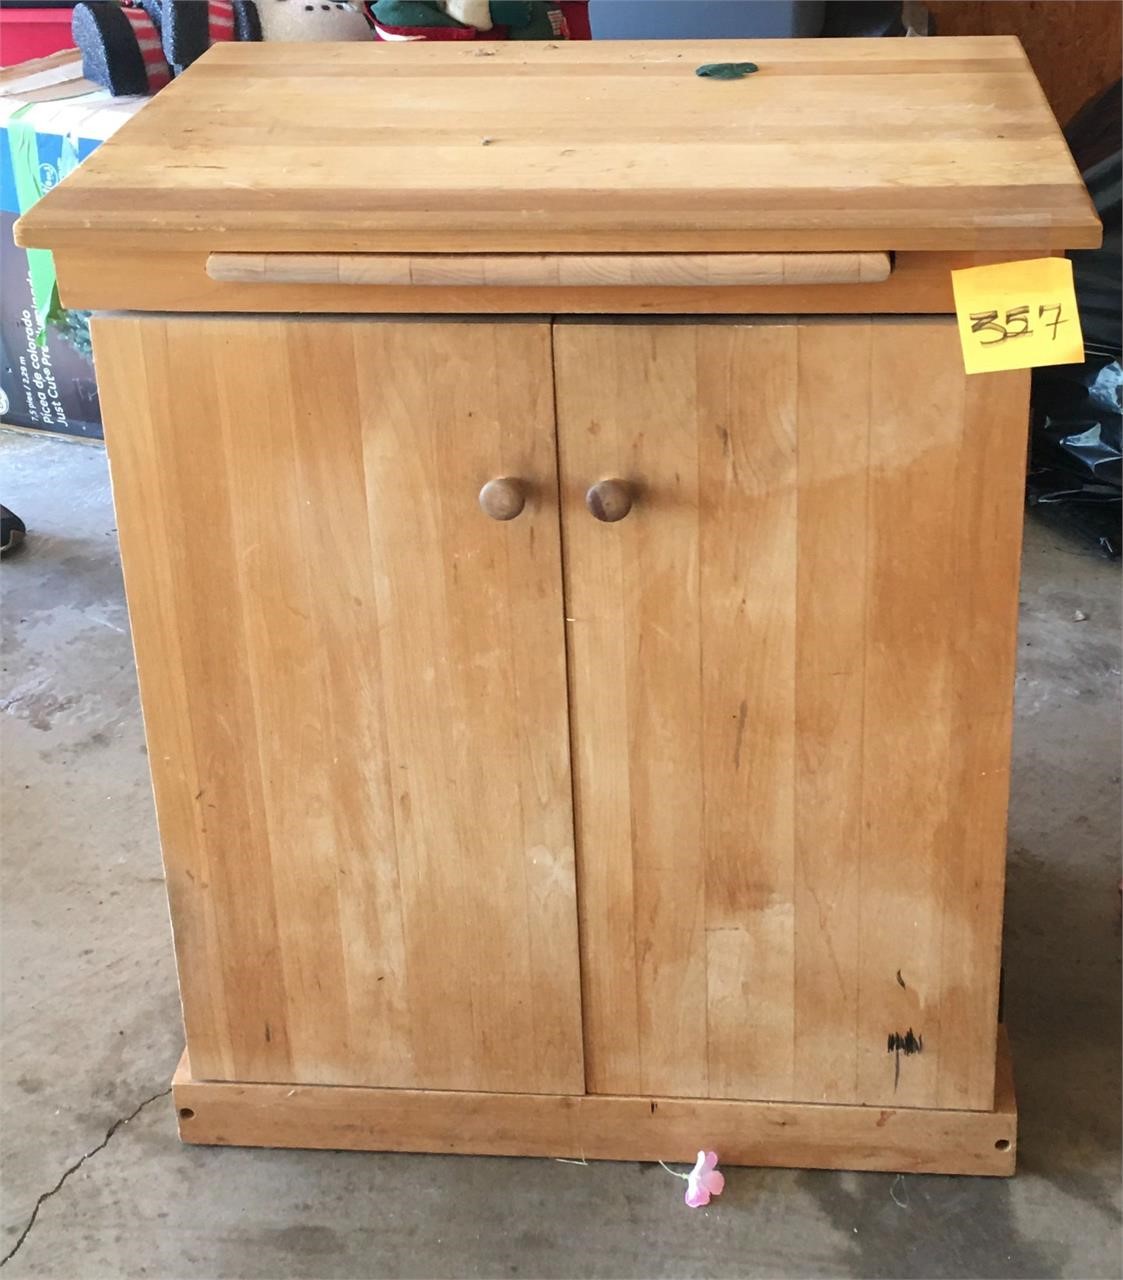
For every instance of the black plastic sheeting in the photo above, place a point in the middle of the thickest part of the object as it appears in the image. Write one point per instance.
(863, 18)
(1076, 442)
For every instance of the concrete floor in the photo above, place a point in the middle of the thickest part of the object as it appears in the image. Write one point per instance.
(90, 1013)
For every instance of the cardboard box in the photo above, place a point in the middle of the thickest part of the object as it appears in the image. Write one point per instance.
(50, 120)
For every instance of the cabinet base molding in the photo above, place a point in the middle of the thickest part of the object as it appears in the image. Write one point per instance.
(602, 1127)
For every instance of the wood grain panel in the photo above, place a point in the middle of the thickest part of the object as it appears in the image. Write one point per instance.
(680, 655)
(605, 146)
(354, 694)
(639, 812)
(745, 518)
(830, 671)
(937, 715)
(908, 750)
(592, 1127)
(790, 778)
(987, 546)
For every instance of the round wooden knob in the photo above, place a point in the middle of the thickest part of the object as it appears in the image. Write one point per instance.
(502, 499)
(609, 500)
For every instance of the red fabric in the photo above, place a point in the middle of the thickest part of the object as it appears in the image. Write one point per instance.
(220, 20)
(156, 68)
(576, 14)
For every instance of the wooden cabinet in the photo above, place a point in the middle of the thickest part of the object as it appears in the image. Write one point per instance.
(574, 585)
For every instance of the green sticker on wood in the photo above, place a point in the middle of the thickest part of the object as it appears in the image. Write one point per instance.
(726, 70)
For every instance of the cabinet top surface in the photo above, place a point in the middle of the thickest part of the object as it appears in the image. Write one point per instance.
(935, 144)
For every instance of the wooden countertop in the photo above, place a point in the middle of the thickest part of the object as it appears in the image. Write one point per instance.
(941, 144)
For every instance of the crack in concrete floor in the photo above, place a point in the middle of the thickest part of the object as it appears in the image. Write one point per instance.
(119, 1123)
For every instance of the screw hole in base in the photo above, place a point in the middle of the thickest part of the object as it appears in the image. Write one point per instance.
(1003, 1144)
(185, 1113)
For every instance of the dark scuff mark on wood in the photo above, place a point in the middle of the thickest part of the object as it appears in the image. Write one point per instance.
(901, 981)
(908, 1044)
(723, 436)
(728, 452)
(268, 1033)
(742, 716)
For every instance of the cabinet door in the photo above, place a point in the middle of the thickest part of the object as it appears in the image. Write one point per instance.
(354, 691)
(791, 668)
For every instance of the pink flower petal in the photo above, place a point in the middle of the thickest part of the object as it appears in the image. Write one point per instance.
(696, 1195)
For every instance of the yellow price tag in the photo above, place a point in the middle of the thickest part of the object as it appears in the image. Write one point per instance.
(1017, 315)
